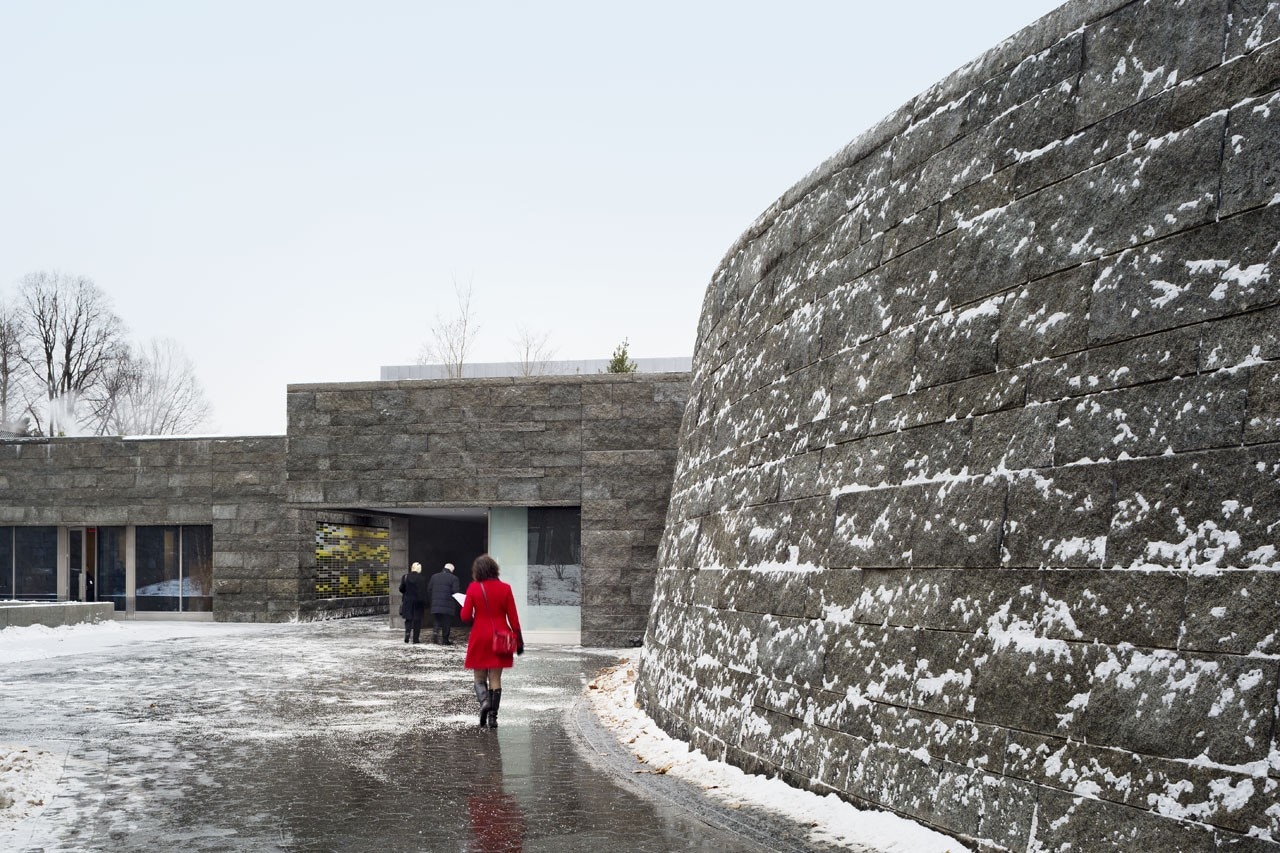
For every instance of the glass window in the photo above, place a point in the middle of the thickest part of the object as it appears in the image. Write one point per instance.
(35, 562)
(175, 568)
(555, 571)
(158, 579)
(6, 562)
(197, 568)
(111, 557)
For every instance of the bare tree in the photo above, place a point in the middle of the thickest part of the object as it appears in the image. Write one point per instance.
(154, 393)
(72, 341)
(532, 352)
(452, 337)
(12, 400)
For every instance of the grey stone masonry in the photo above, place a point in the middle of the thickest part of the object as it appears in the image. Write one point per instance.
(976, 507)
(236, 485)
(604, 442)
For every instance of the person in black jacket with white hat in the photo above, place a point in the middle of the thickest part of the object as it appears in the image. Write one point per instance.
(441, 589)
(413, 586)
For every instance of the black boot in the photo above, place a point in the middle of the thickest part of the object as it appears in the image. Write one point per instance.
(484, 697)
(495, 699)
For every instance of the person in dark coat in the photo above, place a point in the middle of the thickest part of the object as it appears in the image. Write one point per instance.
(413, 586)
(440, 592)
(491, 608)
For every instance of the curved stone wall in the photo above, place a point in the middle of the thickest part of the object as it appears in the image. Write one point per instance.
(976, 511)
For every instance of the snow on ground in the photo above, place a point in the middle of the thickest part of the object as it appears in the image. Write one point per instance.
(29, 776)
(832, 820)
(38, 642)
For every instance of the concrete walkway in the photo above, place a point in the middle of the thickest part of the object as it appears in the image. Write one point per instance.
(339, 737)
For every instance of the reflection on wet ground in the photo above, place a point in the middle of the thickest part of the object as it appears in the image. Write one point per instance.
(322, 737)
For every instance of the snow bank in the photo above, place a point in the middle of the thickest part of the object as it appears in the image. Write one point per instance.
(28, 778)
(831, 820)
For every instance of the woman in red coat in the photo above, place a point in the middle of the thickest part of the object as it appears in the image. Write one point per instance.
(490, 607)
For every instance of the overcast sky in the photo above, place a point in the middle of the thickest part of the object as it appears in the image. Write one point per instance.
(291, 189)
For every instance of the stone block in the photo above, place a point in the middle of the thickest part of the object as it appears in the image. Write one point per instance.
(1134, 198)
(1241, 341)
(1193, 414)
(943, 738)
(943, 672)
(1015, 439)
(1216, 270)
(1041, 118)
(1203, 512)
(920, 526)
(1141, 50)
(963, 600)
(956, 523)
(1125, 364)
(798, 477)
(1059, 518)
(866, 662)
(957, 801)
(776, 593)
(873, 529)
(1233, 612)
(1008, 814)
(933, 132)
(1251, 160)
(1046, 318)
(983, 256)
(1112, 608)
(791, 653)
(957, 345)
(1156, 702)
(1262, 422)
(1252, 24)
(1016, 664)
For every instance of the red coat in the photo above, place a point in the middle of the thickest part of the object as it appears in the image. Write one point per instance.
(499, 611)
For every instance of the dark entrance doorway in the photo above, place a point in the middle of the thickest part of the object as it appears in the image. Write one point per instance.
(448, 536)
(454, 536)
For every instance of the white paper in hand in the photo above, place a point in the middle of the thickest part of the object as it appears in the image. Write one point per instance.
(459, 597)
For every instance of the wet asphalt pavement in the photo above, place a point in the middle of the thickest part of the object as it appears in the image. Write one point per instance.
(337, 736)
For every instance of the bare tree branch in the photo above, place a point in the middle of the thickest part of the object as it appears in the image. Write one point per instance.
(532, 351)
(12, 399)
(155, 393)
(452, 337)
(72, 341)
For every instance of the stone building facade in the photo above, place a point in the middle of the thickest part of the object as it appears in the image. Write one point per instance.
(370, 476)
(975, 517)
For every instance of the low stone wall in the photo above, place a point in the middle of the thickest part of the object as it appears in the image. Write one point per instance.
(979, 482)
(21, 614)
(341, 608)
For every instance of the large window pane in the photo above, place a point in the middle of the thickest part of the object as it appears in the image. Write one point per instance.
(36, 562)
(6, 562)
(197, 568)
(157, 568)
(555, 571)
(110, 583)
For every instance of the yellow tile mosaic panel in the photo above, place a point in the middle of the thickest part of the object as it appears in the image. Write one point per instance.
(352, 560)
